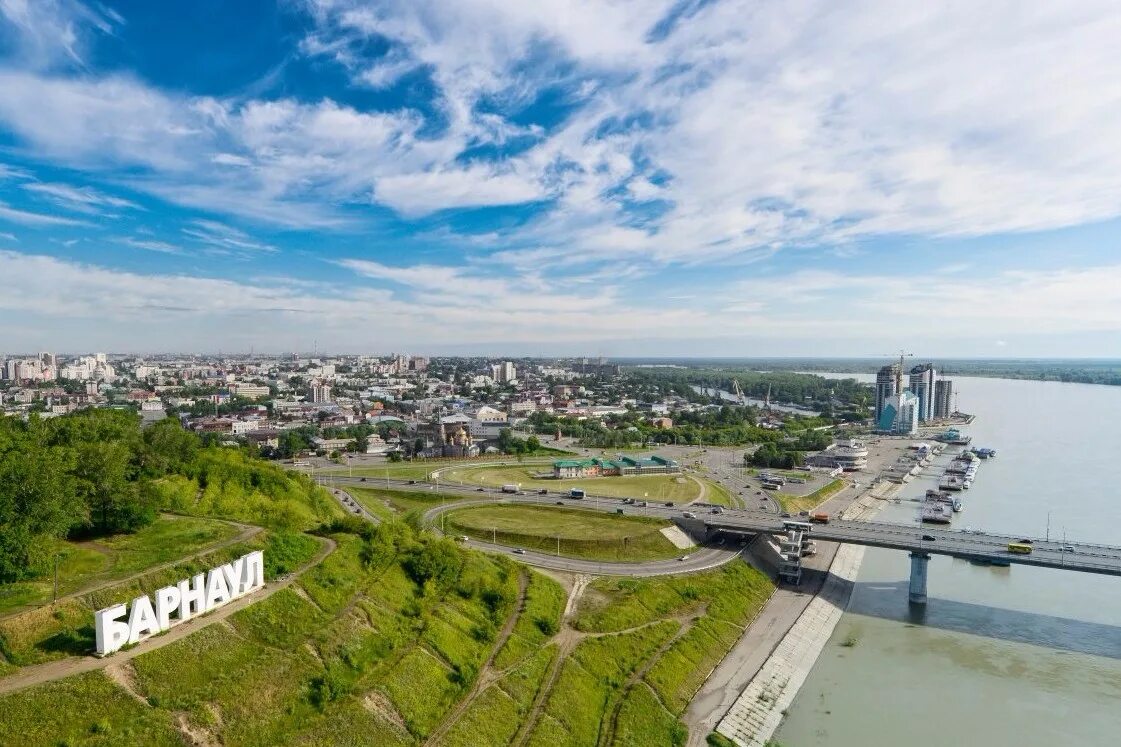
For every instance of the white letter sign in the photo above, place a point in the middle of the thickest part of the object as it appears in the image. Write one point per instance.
(189, 598)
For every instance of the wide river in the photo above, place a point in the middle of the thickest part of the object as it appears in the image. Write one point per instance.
(1002, 656)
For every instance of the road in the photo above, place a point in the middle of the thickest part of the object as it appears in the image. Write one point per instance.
(1083, 557)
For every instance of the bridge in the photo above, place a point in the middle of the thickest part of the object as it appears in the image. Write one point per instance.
(921, 542)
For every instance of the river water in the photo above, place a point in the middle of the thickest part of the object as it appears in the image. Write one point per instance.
(1002, 656)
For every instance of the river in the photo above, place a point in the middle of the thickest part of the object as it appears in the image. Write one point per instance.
(1002, 656)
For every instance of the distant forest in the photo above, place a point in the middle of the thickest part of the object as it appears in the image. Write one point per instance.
(1080, 371)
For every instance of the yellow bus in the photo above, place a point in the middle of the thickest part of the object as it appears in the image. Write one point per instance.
(1021, 548)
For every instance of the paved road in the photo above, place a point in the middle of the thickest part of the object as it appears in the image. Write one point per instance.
(956, 543)
(693, 561)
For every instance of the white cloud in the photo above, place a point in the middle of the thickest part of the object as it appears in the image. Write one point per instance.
(151, 245)
(28, 218)
(82, 199)
(426, 192)
(49, 32)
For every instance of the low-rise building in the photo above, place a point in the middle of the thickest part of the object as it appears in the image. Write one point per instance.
(576, 468)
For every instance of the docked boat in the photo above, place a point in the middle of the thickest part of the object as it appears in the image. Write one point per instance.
(951, 482)
(983, 453)
(936, 513)
(955, 437)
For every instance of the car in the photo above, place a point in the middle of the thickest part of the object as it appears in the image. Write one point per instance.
(929, 538)
(412, 482)
(785, 515)
(1068, 548)
(543, 491)
(717, 510)
(803, 513)
(644, 504)
(361, 479)
(357, 510)
(519, 551)
(1024, 541)
(669, 503)
(683, 558)
(480, 490)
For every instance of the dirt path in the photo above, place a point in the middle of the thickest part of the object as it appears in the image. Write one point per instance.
(247, 531)
(487, 674)
(687, 621)
(54, 670)
(565, 641)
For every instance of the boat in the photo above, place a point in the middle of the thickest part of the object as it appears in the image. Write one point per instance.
(935, 513)
(951, 482)
(955, 437)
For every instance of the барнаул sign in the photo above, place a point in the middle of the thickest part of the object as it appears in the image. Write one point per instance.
(189, 598)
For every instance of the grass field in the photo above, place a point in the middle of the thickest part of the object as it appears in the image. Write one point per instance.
(795, 503)
(718, 494)
(582, 533)
(676, 488)
(85, 564)
(375, 499)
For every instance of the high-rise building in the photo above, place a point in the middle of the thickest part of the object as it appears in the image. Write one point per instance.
(885, 387)
(900, 413)
(922, 386)
(504, 372)
(318, 393)
(943, 398)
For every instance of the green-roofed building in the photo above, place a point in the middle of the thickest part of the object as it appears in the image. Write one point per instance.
(576, 468)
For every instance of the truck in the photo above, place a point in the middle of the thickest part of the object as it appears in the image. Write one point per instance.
(510, 489)
(576, 493)
(819, 517)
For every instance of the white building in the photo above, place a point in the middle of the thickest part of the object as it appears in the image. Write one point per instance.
(504, 372)
(900, 413)
(319, 393)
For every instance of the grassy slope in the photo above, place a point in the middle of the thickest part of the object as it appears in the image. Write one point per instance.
(49, 633)
(794, 504)
(85, 564)
(583, 534)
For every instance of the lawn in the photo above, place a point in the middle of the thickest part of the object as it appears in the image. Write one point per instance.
(374, 499)
(86, 564)
(795, 503)
(582, 533)
(676, 488)
(719, 495)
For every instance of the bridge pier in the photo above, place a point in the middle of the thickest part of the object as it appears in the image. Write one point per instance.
(917, 590)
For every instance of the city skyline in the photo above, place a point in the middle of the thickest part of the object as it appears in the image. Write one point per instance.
(635, 179)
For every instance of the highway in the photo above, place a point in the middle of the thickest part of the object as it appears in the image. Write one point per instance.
(1087, 558)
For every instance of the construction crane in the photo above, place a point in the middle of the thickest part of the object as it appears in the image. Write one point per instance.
(738, 392)
(899, 373)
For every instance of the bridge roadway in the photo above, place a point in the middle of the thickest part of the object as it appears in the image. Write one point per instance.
(1087, 558)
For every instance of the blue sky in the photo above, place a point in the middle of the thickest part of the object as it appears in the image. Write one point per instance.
(661, 177)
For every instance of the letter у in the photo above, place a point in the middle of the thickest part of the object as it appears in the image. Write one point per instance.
(233, 573)
(110, 632)
(192, 597)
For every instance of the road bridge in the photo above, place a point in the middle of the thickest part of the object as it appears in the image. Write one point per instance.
(921, 542)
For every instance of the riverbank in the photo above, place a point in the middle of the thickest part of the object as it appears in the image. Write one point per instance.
(760, 707)
(726, 686)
